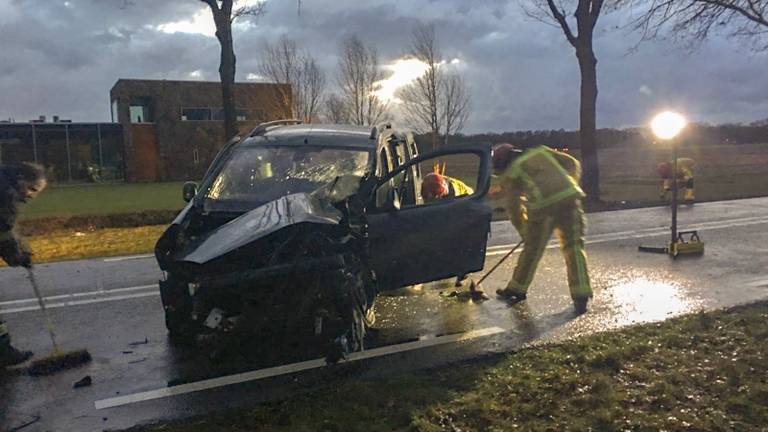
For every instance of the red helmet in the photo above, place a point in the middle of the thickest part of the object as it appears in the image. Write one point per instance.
(434, 186)
(502, 155)
(664, 170)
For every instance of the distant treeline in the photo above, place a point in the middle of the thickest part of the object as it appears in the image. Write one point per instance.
(695, 134)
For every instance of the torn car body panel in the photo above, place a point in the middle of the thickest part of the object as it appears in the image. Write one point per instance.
(257, 224)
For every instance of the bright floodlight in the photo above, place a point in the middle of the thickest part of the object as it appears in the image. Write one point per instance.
(667, 125)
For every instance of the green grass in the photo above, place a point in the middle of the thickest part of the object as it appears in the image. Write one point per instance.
(102, 199)
(705, 371)
(65, 245)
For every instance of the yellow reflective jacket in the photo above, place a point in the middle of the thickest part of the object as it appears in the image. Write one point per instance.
(684, 167)
(457, 188)
(539, 178)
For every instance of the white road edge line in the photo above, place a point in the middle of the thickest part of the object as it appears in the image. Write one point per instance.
(288, 369)
(79, 302)
(129, 257)
(80, 294)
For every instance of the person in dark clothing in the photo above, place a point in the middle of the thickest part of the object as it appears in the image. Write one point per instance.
(18, 183)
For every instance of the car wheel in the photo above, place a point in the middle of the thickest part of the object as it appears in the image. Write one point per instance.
(181, 327)
(178, 310)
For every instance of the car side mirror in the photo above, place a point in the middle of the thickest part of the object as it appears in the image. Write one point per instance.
(189, 190)
(393, 201)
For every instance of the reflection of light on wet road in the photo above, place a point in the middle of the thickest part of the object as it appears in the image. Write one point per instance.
(642, 299)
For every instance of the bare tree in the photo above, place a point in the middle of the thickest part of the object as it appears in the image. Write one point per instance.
(311, 85)
(421, 99)
(694, 20)
(455, 104)
(225, 13)
(284, 63)
(586, 15)
(438, 101)
(358, 76)
(334, 110)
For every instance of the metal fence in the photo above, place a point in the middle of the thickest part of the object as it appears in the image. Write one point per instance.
(70, 152)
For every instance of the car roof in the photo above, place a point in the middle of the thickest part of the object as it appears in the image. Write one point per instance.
(321, 135)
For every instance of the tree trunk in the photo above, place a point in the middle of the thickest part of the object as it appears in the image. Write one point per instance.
(227, 76)
(587, 121)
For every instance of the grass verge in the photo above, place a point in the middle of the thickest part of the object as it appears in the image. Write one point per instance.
(103, 199)
(705, 371)
(64, 245)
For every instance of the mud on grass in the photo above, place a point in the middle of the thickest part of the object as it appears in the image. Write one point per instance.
(705, 371)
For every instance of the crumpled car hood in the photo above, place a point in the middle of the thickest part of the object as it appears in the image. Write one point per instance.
(257, 224)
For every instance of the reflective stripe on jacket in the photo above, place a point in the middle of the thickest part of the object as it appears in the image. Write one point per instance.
(684, 167)
(545, 177)
(457, 188)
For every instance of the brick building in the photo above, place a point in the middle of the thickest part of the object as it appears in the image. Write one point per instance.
(173, 129)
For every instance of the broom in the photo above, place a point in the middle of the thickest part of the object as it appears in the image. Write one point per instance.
(475, 287)
(58, 360)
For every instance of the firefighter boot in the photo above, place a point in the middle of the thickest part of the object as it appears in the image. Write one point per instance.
(580, 305)
(688, 197)
(9, 355)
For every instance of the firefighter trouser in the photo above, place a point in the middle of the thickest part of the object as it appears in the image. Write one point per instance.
(566, 219)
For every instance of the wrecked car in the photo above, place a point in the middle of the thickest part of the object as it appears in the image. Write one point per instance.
(296, 228)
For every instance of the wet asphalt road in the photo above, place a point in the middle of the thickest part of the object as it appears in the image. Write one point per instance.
(112, 308)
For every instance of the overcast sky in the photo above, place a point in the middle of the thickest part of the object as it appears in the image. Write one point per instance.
(62, 57)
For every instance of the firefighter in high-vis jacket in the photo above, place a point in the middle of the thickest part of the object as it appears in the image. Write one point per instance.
(684, 178)
(436, 186)
(542, 193)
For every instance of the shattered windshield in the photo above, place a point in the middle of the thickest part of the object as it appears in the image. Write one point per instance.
(256, 175)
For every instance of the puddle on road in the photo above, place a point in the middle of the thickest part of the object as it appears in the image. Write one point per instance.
(642, 299)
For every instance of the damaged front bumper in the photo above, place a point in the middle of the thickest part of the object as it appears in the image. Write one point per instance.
(299, 267)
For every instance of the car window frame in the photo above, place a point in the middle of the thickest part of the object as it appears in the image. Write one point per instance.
(483, 176)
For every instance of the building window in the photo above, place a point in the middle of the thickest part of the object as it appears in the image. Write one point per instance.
(140, 111)
(207, 114)
(115, 118)
(195, 114)
(217, 114)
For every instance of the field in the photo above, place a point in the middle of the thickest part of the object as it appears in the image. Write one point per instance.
(722, 172)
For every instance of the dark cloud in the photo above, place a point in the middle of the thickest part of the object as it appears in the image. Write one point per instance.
(62, 57)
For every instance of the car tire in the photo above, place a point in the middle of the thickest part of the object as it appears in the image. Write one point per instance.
(181, 327)
(177, 305)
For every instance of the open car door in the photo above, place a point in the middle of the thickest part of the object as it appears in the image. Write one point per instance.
(431, 239)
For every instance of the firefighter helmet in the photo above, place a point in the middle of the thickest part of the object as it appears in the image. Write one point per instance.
(434, 186)
(502, 155)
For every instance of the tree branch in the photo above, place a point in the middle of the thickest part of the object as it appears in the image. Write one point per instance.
(255, 11)
(757, 18)
(597, 5)
(560, 18)
(212, 4)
